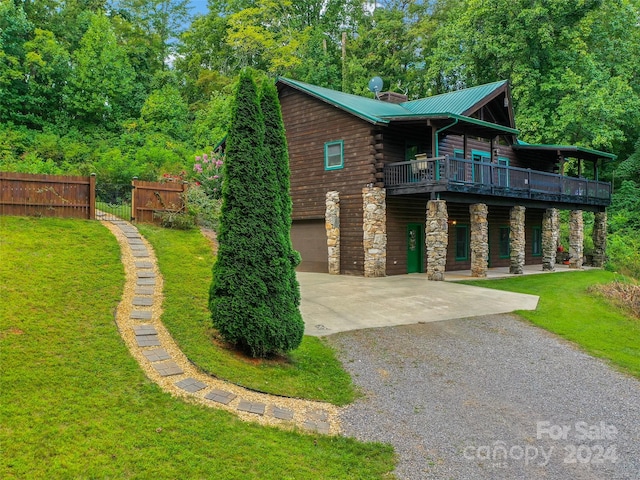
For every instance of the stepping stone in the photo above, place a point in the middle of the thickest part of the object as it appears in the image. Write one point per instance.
(251, 407)
(148, 340)
(144, 291)
(318, 415)
(168, 368)
(190, 385)
(156, 355)
(140, 253)
(282, 413)
(138, 248)
(144, 330)
(146, 281)
(135, 241)
(144, 265)
(141, 315)
(131, 234)
(146, 274)
(220, 396)
(116, 222)
(320, 427)
(142, 301)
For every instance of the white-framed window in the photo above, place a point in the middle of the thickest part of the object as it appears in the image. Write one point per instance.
(334, 155)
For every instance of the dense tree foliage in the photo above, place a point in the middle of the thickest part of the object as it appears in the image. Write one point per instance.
(254, 298)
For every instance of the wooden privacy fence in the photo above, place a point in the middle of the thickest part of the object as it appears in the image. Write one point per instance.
(150, 198)
(47, 195)
(75, 197)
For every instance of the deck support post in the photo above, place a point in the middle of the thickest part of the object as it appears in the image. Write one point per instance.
(599, 239)
(517, 240)
(479, 239)
(374, 225)
(550, 235)
(436, 238)
(576, 239)
(332, 226)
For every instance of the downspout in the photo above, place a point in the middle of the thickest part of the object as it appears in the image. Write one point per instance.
(436, 146)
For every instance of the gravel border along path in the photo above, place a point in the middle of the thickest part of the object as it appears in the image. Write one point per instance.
(491, 398)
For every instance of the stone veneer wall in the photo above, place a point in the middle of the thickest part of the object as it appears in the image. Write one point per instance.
(332, 226)
(576, 239)
(436, 239)
(479, 239)
(599, 239)
(550, 235)
(517, 240)
(374, 225)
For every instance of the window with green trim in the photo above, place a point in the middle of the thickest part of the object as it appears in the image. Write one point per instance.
(504, 249)
(462, 242)
(334, 155)
(536, 241)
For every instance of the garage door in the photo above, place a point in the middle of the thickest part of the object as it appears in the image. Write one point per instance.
(310, 239)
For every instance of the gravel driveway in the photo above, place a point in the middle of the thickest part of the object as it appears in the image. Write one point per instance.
(491, 398)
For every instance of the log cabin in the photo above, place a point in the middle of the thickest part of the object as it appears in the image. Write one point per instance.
(386, 186)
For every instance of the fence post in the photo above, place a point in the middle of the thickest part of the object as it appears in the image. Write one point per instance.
(133, 198)
(185, 186)
(92, 196)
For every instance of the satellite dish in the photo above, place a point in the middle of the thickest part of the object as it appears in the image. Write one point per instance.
(375, 85)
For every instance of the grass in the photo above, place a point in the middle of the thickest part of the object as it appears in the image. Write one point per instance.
(568, 308)
(185, 259)
(75, 404)
(121, 211)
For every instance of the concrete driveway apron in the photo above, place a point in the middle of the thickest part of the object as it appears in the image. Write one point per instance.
(338, 303)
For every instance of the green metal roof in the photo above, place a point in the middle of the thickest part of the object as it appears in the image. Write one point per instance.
(457, 102)
(564, 148)
(367, 108)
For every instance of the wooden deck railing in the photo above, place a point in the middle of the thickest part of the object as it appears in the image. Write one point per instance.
(454, 174)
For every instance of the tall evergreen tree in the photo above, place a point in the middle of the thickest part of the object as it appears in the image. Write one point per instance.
(251, 298)
(278, 157)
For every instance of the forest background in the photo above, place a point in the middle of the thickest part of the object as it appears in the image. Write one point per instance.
(125, 88)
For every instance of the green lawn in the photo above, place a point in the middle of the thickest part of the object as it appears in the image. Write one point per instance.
(567, 308)
(185, 258)
(122, 211)
(75, 404)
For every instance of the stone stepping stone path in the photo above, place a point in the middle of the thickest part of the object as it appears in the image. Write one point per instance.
(138, 320)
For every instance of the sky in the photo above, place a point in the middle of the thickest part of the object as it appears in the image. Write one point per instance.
(198, 6)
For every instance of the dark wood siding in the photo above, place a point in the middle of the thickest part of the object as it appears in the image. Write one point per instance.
(309, 124)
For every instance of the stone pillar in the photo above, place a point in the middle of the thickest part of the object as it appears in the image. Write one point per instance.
(550, 235)
(599, 239)
(576, 239)
(436, 238)
(332, 226)
(517, 240)
(374, 225)
(479, 239)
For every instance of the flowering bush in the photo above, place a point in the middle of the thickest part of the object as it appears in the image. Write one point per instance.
(207, 172)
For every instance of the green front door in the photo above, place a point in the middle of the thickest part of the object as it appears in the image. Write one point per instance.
(415, 242)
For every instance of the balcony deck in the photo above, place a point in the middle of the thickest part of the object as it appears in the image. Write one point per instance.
(444, 174)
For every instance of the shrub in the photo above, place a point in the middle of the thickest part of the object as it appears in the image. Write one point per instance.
(204, 209)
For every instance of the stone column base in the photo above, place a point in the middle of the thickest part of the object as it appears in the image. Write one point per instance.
(436, 239)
